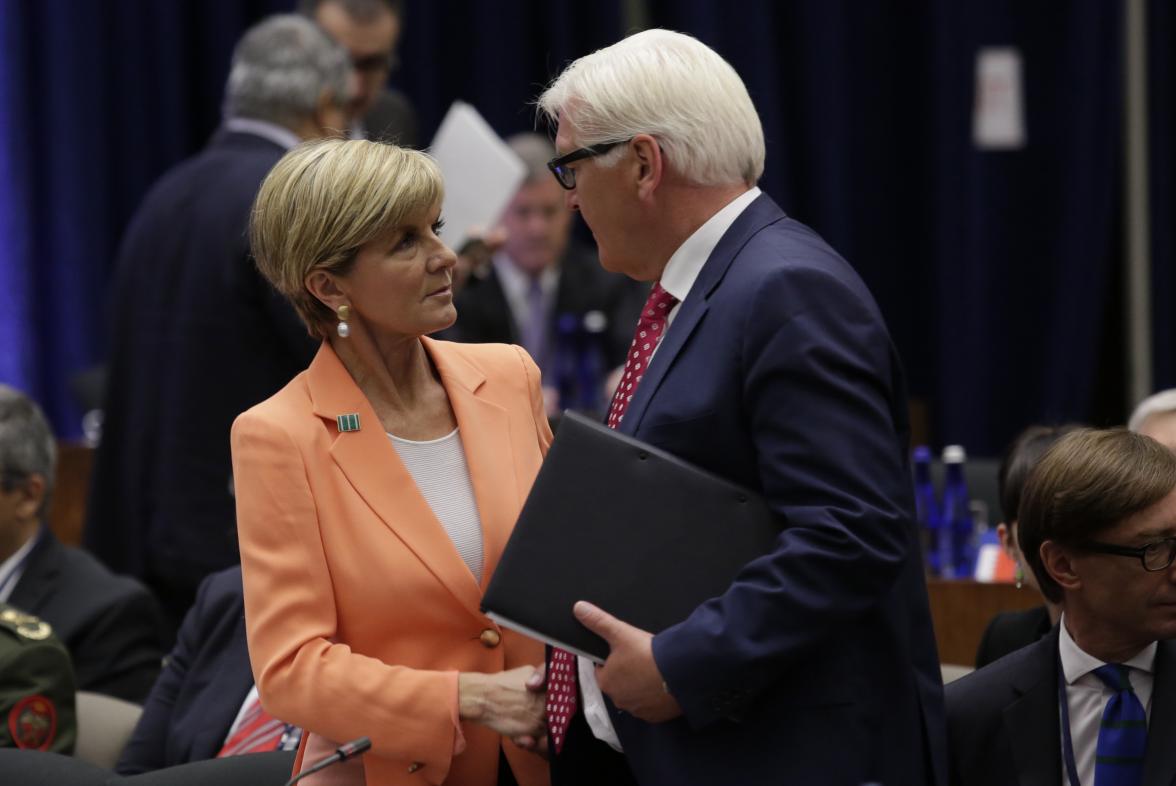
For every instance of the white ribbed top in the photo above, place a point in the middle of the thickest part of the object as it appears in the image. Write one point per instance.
(439, 468)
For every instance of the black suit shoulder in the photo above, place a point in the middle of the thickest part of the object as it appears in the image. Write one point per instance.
(1010, 631)
(109, 623)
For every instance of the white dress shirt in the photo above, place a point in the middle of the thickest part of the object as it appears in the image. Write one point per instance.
(677, 279)
(1087, 697)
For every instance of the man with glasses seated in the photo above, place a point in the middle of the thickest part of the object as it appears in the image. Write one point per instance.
(1094, 702)
(369, 30)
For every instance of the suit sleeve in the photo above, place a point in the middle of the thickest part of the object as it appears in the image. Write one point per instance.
(120, 652)
(817, 397)
(303, 675)
(147, 749)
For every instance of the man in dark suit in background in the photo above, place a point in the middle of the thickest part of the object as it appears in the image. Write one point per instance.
(540, 287)
(761, 357)
(369, 30)
(110, 624)
(198, 336)
(1097, 525)
(205, 681)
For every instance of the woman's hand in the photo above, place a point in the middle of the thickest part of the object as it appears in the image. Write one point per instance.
(502, 702)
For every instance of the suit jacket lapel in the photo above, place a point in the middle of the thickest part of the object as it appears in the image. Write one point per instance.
(759, 214)
(1032, 721)
(485, 437)
(1159, 766)
(376, 473)
(40, 574)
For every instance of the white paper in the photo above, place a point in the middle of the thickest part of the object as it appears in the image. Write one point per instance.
(481, 173)
(998, 117)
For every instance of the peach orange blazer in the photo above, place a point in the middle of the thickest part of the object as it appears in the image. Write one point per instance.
(358, 609)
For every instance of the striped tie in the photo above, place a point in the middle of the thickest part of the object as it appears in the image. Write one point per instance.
(1122, 735)
(258, 731)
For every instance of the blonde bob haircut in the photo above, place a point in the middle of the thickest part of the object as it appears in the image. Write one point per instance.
(673, 87)
(326, 199)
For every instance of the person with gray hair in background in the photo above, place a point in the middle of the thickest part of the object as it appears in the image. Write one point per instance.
(541, 286)
(198, 336)
(1155, 417)
(108, 623)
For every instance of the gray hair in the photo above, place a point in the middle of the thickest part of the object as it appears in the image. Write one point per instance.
(535, 150)
(673, 87)
(1156, 404)
(27, 445)
(281, 68)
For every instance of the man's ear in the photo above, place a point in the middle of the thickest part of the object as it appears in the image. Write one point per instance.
(32, 496)
(325, 288)
(650, 163)
(1059, 564)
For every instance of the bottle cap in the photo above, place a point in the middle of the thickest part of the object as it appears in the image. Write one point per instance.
(921, 454)
(954, 454)
(595, 322)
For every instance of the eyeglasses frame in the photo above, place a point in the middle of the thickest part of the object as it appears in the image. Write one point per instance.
(591, 151)
(1137, 551)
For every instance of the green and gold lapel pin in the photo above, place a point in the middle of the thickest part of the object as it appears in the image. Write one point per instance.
(348, 422)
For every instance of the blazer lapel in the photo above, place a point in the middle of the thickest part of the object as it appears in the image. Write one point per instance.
(1159, 766)
(485, 435)
(1032, 721)
(376, 473)
(759, 214)
(39, 577)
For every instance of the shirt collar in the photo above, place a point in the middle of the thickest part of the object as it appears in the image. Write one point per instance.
(517, 282)
(686, 263)
(12, 568)
(279, 135)
(1076, 663)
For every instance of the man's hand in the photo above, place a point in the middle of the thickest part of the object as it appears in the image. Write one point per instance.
(630, 676)
(536, 743)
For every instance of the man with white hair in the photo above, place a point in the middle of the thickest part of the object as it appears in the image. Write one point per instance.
(198, 336)
(761, 357)
(1155, 417)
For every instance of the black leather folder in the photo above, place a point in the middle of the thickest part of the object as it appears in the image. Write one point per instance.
(640, 533)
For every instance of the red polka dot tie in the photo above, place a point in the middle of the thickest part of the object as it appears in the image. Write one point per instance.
(561, 671)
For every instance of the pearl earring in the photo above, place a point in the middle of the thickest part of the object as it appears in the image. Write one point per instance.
(343, 329)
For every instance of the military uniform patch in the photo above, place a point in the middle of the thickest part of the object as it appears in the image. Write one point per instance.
(33, 723)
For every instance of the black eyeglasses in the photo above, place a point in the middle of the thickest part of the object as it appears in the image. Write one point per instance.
(566, 176)
(1153, 556)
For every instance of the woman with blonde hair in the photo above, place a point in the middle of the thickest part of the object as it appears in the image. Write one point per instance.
(375, 492)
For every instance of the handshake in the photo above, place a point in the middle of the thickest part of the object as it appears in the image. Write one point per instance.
(509, 702)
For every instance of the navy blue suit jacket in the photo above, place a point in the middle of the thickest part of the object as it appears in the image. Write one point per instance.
(818, 664)
(198, 337)
(1003, 720)
(206, 678)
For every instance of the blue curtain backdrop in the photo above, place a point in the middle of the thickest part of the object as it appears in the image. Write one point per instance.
(997, 271)
(1162, 131)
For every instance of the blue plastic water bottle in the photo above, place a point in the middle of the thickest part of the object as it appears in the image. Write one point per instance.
(926, 508)
(957, 528)
(591, 369)
(567, 356)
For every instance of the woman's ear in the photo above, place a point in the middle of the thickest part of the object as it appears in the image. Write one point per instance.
(325, 288)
